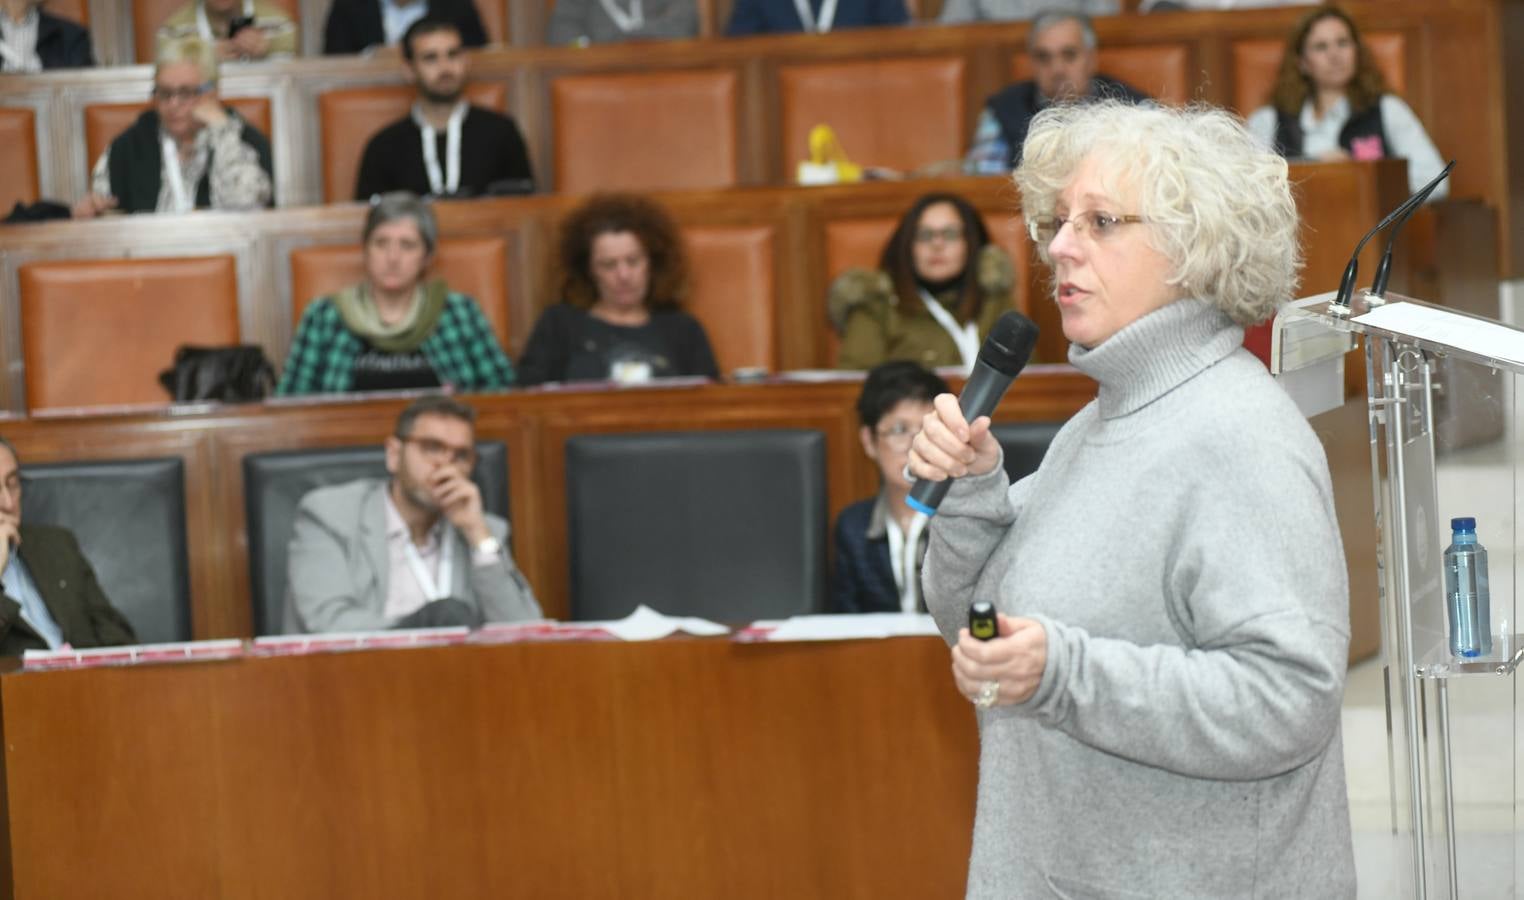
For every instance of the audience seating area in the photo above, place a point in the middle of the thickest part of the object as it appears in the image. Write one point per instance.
(710, 113)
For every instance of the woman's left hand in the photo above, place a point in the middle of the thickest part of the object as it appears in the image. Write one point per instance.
(1013, 662)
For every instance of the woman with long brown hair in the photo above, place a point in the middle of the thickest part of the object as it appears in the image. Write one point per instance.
(939, 287)
(1331, 103)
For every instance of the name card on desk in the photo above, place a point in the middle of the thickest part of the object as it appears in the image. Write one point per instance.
(844, 627)
(299, 644)
(644, 624)
(190, 651)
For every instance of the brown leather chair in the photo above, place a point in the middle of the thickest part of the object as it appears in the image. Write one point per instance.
(73, 10)
(349, 117)
(639, 131)
(1161, 71)
(494, 15)
(148, 15)
(733, 294)
(99, 332)
(476, 266)
(104, 121)
(1256, 62)
(18, 157)
(898, 113)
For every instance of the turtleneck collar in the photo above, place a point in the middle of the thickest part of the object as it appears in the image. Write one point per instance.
(1157, 353)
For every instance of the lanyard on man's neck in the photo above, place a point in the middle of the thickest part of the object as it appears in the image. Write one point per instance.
(807, 16)
(448, 182)
(627, 22)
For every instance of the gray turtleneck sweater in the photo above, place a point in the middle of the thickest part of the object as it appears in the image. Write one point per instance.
(1179, 547)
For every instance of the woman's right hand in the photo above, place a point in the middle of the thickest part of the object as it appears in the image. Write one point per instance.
(949, 447)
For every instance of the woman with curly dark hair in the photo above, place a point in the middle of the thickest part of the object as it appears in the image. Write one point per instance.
(622, 277)
(1331, 103)
(939, 287)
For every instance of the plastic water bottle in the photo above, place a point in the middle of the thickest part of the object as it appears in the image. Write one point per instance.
(1466, 591)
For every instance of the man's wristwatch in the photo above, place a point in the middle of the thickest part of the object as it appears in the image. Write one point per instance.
(487, 547)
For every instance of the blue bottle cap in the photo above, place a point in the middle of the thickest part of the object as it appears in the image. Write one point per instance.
(1464, 523)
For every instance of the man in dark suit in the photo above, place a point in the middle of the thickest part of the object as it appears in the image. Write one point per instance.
(880, 541)
(31, 40)
(1062, 46)
(48, 593)
(357, 25)
(812, 16)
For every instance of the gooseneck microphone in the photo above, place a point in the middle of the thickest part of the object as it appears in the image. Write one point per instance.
(1384, 268)
(1001, 359)
(1399, 215)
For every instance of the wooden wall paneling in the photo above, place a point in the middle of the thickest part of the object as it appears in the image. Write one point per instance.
(1508, 69)
(1466, 123)
(18, 156)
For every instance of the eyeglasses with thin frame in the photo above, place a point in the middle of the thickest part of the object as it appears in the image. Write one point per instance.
(1097, 224)
(899, 435)
(437, 450)
(170, 95)
(946, 235)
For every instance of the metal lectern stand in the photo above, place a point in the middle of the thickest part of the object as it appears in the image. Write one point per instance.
(1443, 403)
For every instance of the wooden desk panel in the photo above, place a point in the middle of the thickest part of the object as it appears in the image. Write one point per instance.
(687, 768)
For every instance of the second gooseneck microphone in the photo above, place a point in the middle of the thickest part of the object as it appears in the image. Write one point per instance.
(1001, 359)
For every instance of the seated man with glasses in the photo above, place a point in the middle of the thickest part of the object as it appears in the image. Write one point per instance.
(1062, 46)
(415, 550)
(187, 151)
(880, 542)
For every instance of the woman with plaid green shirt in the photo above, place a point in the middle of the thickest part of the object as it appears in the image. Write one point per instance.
(395, 331)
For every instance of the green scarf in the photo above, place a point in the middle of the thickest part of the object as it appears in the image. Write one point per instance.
(358, 309)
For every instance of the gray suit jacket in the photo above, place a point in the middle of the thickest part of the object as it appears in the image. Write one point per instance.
(337, 565)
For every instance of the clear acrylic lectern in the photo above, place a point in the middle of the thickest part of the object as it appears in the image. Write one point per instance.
(1441, 417)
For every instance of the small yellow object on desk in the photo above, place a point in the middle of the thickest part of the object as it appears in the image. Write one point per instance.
(828, 163)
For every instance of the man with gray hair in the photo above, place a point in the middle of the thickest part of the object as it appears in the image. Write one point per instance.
(1062, 46)
(48, 593)
(187, 151)
(956, 11)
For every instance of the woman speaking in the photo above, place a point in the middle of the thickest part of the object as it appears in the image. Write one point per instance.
(1159, 713)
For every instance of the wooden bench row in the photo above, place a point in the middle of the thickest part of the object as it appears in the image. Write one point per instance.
(91, 312)
(720, 113)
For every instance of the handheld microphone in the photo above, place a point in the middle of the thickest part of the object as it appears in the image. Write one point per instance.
(1001, 359)
(1405, 209)
(1384, 268)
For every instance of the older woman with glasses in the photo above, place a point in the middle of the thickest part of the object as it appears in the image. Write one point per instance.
(1159, 712)
(397, 329)
(939, 287)
(187, 151)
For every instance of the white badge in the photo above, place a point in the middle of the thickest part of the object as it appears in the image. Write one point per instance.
(449, 181)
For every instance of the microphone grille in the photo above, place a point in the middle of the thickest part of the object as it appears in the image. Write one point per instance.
(1010, 344)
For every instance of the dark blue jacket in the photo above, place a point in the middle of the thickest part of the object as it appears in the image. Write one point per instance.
(780, 16)
(62, 44)
(863, 580)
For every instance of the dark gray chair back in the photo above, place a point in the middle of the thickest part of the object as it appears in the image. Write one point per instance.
(1024, 444)
(275, 483)
(730, 526)
(129, 518)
